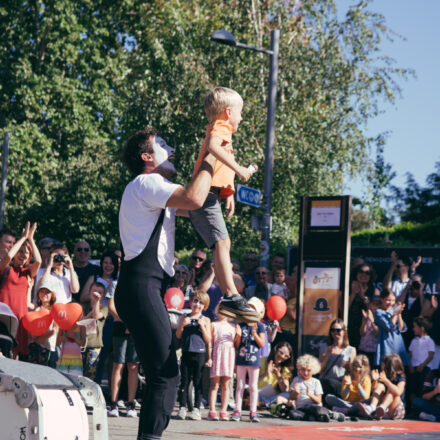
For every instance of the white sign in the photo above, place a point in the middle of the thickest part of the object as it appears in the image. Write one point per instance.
(325, 213)
(323, 278)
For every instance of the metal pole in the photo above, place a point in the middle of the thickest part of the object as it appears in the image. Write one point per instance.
(270, 138)
(4, 178)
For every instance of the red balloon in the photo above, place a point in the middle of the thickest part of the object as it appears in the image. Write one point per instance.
(174, 298)
(276, 307)
(37, 323)
(66, 315)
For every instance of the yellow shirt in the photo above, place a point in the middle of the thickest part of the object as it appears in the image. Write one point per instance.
(271, 378)
(223, 176)
(353, 395)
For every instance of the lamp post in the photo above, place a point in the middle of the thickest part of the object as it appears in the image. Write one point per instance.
(225, 37)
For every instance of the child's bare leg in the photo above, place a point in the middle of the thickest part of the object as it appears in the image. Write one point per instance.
(387, 400)
(225, 393)
(223, 267)
(378, 390)
(281, 399)
(132, 380)
(396, 401)
(213, 390)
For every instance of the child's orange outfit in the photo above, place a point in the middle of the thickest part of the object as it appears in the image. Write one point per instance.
(223, 176)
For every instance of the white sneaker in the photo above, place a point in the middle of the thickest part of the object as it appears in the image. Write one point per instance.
(427, 417)
(195, 414)
(121, 404)
(182, 413)
(131, 410)
(113, 412)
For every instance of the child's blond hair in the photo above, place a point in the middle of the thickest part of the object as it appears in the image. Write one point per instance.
(309, 361)
(218, 100)
(360, 361)
(202, 296)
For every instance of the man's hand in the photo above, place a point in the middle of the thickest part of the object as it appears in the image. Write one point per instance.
(230, 206)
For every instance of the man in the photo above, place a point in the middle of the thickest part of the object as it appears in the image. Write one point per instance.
(7, 240)
(250, 263)
(197, 259)
(262, 288)
(278, 262)
(83, 268)
(146, 224)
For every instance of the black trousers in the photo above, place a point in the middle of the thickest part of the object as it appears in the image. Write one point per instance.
(139, 304)
(191, 366)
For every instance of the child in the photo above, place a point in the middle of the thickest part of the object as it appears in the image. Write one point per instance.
(42, 350)
(98, 313)
(356, 387)
(223, 108)
(71, 341)
(389, 320)
(369, 332)
(251, 338)
(222, 361)
(428, 406)
(421, 352)
(279, 286)
(195, 332)
(306, 392)
(388, 390)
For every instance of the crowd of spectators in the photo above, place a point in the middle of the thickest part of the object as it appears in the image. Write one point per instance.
(384, 363)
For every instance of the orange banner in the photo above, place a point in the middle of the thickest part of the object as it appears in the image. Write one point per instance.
(320, 309)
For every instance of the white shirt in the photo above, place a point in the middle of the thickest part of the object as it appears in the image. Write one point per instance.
(420, 348)
(141, 205)
(59, 283)
(398, 287)
(313, 385)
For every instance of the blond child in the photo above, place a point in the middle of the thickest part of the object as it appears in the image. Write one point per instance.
(223, 109)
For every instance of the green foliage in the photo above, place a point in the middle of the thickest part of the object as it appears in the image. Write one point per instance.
(78, 78)
(404, 234)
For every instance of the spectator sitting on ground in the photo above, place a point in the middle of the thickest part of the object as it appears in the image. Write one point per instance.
(60, 274)
(7, 240)
(400, 267)
(262, 288)
(250, 263)
(428, 406)
(81, 263)
(198, 257)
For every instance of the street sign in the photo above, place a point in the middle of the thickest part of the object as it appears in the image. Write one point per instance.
(249, 196)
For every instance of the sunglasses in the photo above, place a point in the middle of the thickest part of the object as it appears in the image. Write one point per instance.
(80, 249)
(365, 272)
(336, 330)
(197, 301)
(197, 258)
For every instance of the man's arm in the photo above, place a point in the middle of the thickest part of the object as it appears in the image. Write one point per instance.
(389, 275)
(193, 195)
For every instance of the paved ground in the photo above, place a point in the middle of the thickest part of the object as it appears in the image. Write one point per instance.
(279, 429)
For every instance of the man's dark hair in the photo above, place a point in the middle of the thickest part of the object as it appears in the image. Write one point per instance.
(138, 144)
(7, 231)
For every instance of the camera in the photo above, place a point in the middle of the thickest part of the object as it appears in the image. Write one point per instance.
(59, 258)
(415, 285)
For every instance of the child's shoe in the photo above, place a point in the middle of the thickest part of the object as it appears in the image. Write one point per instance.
(195, 414)
(236, 417)
(338, 416)
(182, 413)
(113, 410)
(324, 418)
(253, 417)
(131, 409)
(212, 415)
(224, 416)
(380, 412)
(427, 417)
(365, 410)
(236, 306)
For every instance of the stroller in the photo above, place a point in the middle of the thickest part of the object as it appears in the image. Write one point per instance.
(8, 330)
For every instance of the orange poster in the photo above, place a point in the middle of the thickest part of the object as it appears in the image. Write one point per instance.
(321, 299)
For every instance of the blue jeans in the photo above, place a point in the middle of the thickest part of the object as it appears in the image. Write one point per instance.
(422, 405)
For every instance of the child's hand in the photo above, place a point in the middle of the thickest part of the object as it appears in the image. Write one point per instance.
(374, 375)
(208, 363)
(238, 330)
(186, 321)
(95, 296)
(297, 389)
(383, 376)
(347, 379)
(230, 206)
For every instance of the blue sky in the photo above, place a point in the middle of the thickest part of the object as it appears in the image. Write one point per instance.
(413, 122)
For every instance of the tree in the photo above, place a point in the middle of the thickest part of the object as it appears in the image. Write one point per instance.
(78, 78)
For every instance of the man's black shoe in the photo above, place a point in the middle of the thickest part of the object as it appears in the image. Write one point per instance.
(236, 306)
